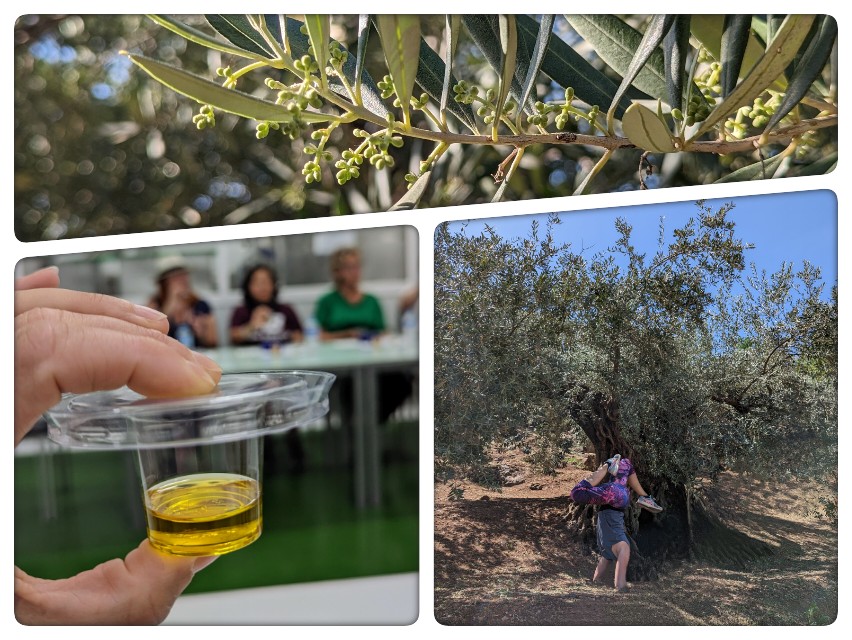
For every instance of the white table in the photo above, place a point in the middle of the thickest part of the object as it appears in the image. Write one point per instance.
(363, 361)
(390, 599)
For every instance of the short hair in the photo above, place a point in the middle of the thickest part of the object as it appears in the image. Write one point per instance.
(340, 254)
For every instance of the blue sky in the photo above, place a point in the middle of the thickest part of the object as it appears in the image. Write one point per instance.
(791, 227)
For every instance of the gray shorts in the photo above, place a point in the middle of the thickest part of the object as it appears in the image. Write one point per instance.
(610, 531)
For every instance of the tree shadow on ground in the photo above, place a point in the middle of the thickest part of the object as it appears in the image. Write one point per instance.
(513, 561)
(495, 528)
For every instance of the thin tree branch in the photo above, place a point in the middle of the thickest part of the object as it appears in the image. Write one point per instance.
(721, 147)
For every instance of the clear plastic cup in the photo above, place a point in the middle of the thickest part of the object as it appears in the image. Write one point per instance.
(200, 458)
(203, 499)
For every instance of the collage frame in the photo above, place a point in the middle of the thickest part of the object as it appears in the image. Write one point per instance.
(425, 222)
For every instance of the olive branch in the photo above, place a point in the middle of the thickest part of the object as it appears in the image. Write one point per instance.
(690, 84)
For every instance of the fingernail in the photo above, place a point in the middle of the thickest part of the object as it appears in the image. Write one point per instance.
(148, 312)
(208, 363)
(203, 563)
(205, 378)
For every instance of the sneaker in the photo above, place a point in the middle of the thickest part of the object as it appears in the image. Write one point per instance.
(648, 502)
(612, 464)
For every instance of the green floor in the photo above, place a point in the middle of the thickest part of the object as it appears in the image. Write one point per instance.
(312, 530)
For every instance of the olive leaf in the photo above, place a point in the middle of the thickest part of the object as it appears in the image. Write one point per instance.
(755, 171)
(214, 94)
(656, 30)
(735, 39)
(708, 29)
(586, 184)
(766, 30)
(484, 30)
(363, 37)
(616, 42)
(400, 36)
(239, 31)
(413, 195)
(808, 69)
(508, 55)
(501, 190)
(644, 129)
(451, 32)
(370, 95)
(772, 24)
(568, 68)
(820, 167)
(431, 77)
(319, 33)
(561, 63)
(276, 25)
(675, 50)
(199, 37)
(542, 41)
(790, 36)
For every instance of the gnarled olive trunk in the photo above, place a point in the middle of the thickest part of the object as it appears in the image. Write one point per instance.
(683, 530)
(656, 537)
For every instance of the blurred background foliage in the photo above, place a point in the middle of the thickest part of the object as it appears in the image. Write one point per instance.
(101, 148)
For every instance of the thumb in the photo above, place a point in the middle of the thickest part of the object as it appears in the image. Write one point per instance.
(141, 589)
(156, 579)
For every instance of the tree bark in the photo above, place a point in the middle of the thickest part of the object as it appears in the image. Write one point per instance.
(655, 538)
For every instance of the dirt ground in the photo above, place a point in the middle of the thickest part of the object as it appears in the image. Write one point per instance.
(506, 558)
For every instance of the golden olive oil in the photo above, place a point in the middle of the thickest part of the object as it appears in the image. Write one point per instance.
(204, 514)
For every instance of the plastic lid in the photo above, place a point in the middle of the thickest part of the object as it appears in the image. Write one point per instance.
(243, 405)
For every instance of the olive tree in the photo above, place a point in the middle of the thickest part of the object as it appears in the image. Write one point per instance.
(683, 360)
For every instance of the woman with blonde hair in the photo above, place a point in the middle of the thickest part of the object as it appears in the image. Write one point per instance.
(347, 311)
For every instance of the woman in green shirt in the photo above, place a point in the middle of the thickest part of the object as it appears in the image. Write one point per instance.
(348, 312)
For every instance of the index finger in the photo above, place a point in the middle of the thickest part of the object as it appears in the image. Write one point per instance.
(94, 304)
(58, 351)
(41, 279)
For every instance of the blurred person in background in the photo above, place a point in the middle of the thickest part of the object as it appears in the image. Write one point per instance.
(191, 319)
(346, 311)
(261, 318)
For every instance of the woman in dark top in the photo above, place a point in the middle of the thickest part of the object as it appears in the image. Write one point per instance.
(262, 318)
(191, 320)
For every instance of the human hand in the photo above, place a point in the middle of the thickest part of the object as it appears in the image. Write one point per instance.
(177, 296)
(79, 342)
(47, 278)
(204, 326)
(176, 306)
(140, 589)
(259, 317)
(69, 341)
